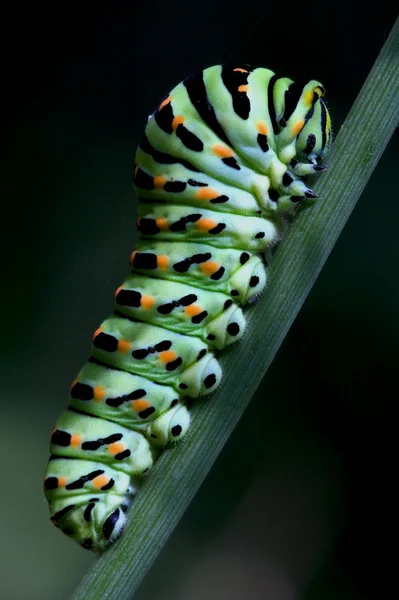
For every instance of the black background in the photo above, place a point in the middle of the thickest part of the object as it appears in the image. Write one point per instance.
(300, 503)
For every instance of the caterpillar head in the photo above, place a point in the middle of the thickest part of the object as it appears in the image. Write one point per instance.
(303, 120)
(314, 140)
(302, 142)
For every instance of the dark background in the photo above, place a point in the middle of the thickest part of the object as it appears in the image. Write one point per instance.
(300, 503)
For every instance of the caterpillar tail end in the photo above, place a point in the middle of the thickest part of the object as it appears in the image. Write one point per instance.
(95, 523)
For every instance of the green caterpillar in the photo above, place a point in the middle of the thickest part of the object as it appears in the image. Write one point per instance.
(222, 160)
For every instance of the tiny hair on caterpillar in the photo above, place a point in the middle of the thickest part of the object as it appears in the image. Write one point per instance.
(221, 165)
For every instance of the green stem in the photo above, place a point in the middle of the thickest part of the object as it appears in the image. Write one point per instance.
(179, 472)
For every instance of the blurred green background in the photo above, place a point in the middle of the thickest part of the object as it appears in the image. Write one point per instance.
(307, 510)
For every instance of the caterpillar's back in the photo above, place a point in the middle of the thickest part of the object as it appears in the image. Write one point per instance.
(222, 159)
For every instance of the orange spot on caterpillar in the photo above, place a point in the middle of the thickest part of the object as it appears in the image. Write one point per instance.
(62, 481)
(98, 393)
(243, 88)
(123, 346)
(193, 310)
(209, 268)
(167, 356)
(165, 102)
(206, 193)
(146, 302)
(206, 224)
(161, 223)
(100, 481)
(118, 290)
(116, 447)
(75, 440)
(222, 150)
(140, 404)
(240, 70)
(136, 171)
(262, 127)
(177, 121)
(133, 254)
(162, 262)
(98, 331)
(297, 127)
(159, 181)
(74, 382)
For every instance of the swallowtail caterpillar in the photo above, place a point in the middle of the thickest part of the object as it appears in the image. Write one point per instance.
(222, 162)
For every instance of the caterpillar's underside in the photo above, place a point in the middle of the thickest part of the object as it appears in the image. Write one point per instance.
(222, 160)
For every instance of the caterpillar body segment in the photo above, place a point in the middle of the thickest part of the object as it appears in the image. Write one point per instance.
(222, 161)
(122, 449)
(179, 185)
(123, 398)
(223, 270)
(214, 318)
(146, 350)
(177, 223)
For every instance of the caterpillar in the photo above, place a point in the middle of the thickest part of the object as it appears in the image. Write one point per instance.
(221, 166)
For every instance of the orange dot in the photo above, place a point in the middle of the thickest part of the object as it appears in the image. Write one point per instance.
(177, 121)
(243, 88)
(61, 481)
(100, 481)
(167, 356)
(206, 224)
(75, 440)
(262, 127)
(138, 220)
(146, 302)
(161, 223)
(123, 346)
(209, 268)
(98, 393)
(136, 171)
(207, 193)
(140, 404)
(162, 262)
(165, 102)
(297, 127)
(118, 290)
(98, 331)
(193, 310)
(222, 150)
(240, 70)
(74, 382)
(159, 181)
(116, 447)
(133, 254)
(54, 429)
